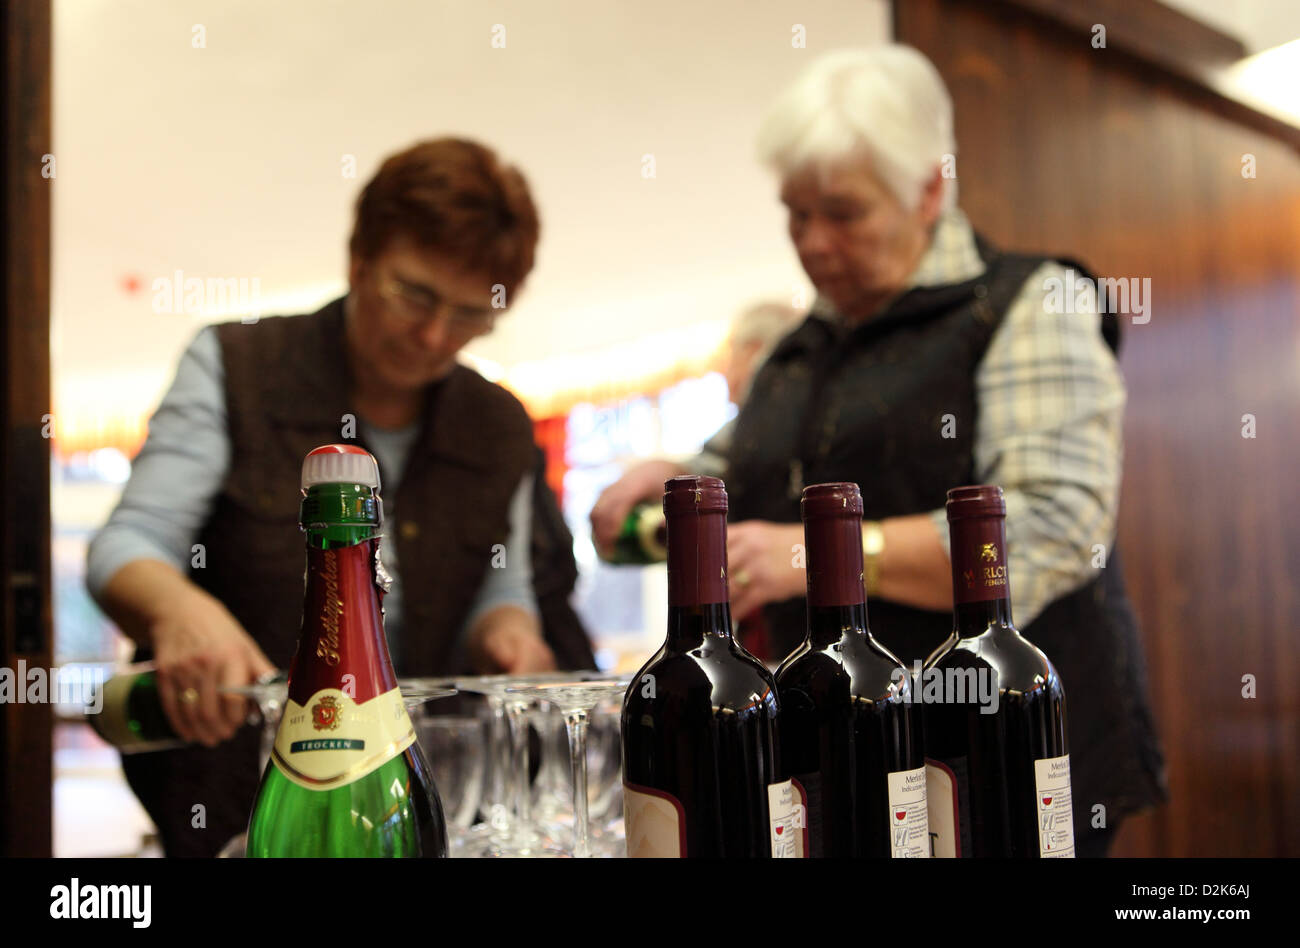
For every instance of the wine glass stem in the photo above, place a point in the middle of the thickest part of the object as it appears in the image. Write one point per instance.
(575, 723)
(502, 785)
(516, 710)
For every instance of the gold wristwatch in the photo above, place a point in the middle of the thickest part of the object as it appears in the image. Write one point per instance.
(873, 544)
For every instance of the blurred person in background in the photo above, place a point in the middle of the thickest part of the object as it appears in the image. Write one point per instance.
(931, 360)
(201, 563)
(753, 335)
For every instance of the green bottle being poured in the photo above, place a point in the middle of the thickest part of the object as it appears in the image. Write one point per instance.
(131, 716)
(346, 776)
(643, 538)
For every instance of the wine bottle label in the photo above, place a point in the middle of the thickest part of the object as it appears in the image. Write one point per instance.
(655, 823)
(947, 804)
(909, 819)
(979, 560)
(1054, 807)
(808, 792)
(787, 814)
(332, 740)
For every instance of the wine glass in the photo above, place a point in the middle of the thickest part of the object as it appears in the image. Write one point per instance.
(455, 746)
(496, 802)
(515, 835)
(551, 784)
(605, 776)
(552, 793)
(576, 701)
(521, 836)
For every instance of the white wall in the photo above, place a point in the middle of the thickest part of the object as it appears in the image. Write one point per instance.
(226, 161)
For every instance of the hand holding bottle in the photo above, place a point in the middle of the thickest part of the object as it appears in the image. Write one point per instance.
(199, 648)
(642, 482)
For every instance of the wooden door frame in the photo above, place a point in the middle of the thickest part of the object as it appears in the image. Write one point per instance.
(26, 627)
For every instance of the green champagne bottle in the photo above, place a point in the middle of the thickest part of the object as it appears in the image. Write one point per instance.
(643, 538)
(346, 777)
(131, 715)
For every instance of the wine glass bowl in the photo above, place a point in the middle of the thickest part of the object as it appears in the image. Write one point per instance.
(576, 700)
(511, 830)
(456, 748)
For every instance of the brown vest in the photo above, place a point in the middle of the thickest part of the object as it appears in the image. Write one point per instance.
(287, 393)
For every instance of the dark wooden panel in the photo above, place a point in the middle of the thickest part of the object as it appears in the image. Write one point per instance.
(1149, 32)
(1062, 149)
(25, 729)
(1147, 28)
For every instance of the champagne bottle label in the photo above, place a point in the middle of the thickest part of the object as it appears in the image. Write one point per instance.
(333, 741)
(786, 810)
(655, 824)
(909, 819)
(947, 802)
(1054, 807)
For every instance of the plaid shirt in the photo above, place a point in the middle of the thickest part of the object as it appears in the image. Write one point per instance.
(1049, 426)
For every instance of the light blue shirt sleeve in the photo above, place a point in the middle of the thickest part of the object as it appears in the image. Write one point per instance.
(511, 582)
(177, 474)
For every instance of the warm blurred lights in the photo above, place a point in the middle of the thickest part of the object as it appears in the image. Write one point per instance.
(108, 410)
(552, 386)
(111, 410)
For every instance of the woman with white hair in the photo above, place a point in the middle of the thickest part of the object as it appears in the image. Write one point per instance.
(931, 360)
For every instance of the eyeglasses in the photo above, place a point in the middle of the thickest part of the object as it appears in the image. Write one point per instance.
(417, 304)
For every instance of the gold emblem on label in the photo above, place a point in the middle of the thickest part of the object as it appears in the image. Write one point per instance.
(325, 714)
(989, 553)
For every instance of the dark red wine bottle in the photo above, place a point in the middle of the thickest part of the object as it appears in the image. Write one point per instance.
(997, 762)
(850, 738)
(699, 720)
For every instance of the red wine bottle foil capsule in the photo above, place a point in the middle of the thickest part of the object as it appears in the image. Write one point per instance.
(977, 535)
(832, 523)
(976, 501)
(695, 508)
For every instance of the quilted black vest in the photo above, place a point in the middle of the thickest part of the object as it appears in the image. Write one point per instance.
(891, 405)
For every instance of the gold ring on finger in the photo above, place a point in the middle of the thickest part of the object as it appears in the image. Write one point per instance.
(190, 695)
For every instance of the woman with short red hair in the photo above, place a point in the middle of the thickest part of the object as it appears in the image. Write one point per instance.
(444, 237)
